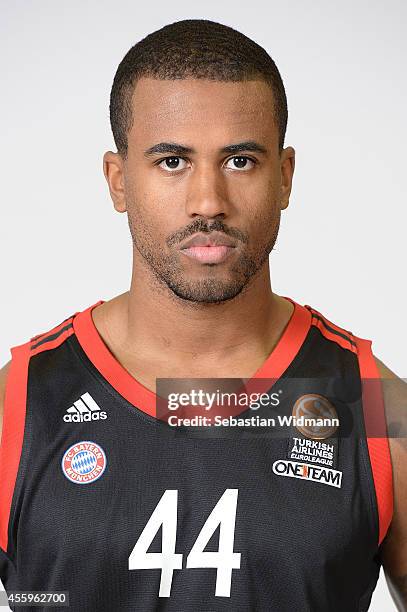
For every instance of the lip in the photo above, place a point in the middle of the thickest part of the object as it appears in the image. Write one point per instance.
(214, 239)
(209, 254)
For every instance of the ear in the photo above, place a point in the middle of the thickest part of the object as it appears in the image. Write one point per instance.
(113, 171)
(287, 164)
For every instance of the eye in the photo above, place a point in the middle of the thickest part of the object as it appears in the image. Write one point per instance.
(170, 164)
(240, 162)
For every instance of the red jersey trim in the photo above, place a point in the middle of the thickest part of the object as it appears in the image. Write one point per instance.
(13, 432)
(376, 434)
(137, 394)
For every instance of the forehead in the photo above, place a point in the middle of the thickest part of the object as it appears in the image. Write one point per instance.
(186, 108)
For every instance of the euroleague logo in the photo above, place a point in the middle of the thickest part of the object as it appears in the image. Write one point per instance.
(315, 416)
(84, 462)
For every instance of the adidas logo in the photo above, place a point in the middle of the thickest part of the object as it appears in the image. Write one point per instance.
(84, 409)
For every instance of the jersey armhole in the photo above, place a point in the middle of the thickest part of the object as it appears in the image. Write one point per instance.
(376, 434)
(11, 441)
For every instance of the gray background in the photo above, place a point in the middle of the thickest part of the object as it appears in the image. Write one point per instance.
(62, 247)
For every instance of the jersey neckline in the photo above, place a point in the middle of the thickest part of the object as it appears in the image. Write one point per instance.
(143, 398)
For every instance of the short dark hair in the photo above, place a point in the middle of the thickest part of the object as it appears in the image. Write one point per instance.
(192, 48)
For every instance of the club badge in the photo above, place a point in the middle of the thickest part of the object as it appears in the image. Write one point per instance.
(84, 462)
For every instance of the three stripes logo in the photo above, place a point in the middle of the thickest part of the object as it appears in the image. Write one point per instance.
(84, 409)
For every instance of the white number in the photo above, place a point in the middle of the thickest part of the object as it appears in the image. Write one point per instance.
(165, 514)
(224, 515)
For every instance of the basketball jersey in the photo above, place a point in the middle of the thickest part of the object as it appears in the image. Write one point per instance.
(102, 500)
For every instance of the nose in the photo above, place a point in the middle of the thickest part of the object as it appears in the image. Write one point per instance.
(207, 193)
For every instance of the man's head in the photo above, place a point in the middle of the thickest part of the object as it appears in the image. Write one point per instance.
(199, 113)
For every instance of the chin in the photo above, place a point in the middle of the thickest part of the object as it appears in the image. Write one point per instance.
(206, 291)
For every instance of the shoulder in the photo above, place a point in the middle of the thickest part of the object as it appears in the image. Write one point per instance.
(331, 331)
(394, 391)
(21, 355)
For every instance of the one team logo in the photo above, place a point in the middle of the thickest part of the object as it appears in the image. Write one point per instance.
(84, 409)
(305, 471)
(316, 416)
(84, 462)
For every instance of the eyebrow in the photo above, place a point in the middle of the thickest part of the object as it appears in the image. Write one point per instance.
(178, 149)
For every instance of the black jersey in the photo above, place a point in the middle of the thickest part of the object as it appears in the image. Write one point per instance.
(103, 500)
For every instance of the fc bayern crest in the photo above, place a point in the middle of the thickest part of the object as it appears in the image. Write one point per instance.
(84, 462)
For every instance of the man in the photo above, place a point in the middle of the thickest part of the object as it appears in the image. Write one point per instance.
(102, 497)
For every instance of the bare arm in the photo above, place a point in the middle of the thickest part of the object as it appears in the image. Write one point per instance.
(394, 546)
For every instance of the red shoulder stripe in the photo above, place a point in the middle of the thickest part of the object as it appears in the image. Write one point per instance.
(53, 338)
(328, 322)
(13, 432)
(54, 330)
(332, 332)
(376, 434)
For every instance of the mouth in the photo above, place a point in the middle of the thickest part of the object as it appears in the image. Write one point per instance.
(209, 249)
(209, 254)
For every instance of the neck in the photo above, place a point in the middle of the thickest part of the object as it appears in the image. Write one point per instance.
(150, 320)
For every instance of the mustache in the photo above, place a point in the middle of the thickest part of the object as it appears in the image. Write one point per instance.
(200, 225)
